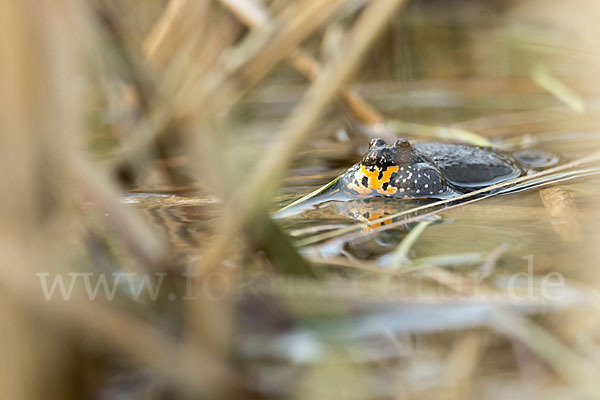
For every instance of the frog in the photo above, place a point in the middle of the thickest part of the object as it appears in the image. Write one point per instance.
(390, 176)
(433, 170)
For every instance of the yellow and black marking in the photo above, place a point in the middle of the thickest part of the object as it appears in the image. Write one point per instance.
(372, 179)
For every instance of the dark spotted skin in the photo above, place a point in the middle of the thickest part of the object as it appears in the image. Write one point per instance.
(426, 170)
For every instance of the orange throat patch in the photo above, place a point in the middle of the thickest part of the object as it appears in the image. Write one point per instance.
(367, 180)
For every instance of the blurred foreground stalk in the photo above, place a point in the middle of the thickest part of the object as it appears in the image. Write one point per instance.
(35, 128)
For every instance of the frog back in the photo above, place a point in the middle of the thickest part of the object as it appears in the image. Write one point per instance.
(471, 167)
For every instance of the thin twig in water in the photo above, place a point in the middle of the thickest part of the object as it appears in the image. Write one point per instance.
(401, 253)
(492, 259)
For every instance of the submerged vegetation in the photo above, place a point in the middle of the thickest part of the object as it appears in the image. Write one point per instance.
(168, 229)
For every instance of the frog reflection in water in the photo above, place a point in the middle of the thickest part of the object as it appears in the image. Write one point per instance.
(427, 170)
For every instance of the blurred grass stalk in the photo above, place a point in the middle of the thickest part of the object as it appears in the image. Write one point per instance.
(39, 114)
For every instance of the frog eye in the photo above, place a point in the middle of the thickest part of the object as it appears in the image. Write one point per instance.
(403, 143)
(376, 142)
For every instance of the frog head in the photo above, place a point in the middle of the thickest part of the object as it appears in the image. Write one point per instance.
(382, 155)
